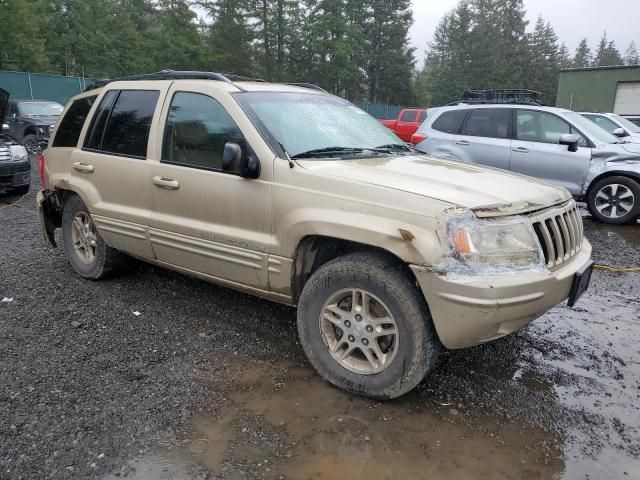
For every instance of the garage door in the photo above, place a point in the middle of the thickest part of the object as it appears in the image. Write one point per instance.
(628, 98)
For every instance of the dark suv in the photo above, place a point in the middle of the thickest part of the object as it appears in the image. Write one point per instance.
(31, 121)
(15, 169)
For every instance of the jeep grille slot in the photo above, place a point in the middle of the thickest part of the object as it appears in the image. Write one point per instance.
(559, 231)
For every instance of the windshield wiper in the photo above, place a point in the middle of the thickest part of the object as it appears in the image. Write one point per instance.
(327, 151)
(397, 147)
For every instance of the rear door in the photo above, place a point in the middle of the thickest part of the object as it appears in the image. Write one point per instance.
(485, 138)
(536, 151)
(204, 219)
(111, 171)
(406, 124)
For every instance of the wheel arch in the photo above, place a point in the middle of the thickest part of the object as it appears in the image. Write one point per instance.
(314, 251)
(612, 173)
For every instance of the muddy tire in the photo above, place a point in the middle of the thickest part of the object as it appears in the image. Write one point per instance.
(614, 200)
(89, 256)
(365, 327)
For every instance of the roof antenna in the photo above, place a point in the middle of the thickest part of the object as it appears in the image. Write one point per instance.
(286, 155)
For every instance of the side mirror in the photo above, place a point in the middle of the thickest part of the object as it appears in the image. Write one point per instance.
(620, 132)
(570, 140)
(236, 161)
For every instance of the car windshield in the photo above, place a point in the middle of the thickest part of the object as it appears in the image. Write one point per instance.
(593, 131)
(40, 109)
(308, 125)
(632, 127)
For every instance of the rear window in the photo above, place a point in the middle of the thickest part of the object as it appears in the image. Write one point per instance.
(488, 123)
(450, 122)
(122, 123)
(422, 117)
(68, 130)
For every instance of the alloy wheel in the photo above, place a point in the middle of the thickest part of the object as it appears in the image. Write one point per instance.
(614, 200)
(83, 235)
(359, 331)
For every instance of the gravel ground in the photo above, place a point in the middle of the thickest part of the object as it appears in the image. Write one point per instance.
(90, 389)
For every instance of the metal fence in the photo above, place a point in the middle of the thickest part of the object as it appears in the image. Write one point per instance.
(60, 89)
(380, 110)
(42, 86)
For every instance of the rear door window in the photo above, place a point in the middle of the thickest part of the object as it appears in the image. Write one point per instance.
(69, 128)
(450, 122)
(408, 116)
(489, 123)
(126, 116)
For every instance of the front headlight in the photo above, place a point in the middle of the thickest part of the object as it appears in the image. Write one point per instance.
(496, 244)
(18, 153)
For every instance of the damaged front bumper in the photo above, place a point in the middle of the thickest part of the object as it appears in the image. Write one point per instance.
(470, 310)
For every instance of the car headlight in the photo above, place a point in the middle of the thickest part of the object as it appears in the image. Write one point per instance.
(496, 244)
(18, 153)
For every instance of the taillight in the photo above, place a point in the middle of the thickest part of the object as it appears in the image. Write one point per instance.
(416, 138)
(41, 164)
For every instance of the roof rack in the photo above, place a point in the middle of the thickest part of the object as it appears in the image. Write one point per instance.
(176, 75)
(521, 96)
(192, 75)
(312, 86)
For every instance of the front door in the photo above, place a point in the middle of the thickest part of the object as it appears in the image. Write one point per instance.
(204, 219)
(536, 152)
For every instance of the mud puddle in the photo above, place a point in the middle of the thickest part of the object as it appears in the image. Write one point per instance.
(284, 422)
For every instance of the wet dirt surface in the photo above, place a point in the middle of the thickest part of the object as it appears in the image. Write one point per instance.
(210, 383)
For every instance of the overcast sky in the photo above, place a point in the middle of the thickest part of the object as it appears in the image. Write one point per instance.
(572, 20)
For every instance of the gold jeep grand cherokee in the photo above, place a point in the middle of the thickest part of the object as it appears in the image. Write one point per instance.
(298, 196)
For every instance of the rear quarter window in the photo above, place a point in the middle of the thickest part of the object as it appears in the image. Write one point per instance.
(450, 122)
(69, 128)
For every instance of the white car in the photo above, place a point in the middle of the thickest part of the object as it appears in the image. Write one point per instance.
(615, 124)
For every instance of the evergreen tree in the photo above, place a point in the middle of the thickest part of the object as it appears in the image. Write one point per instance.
(607, 53)
(631, 56)
(564, 59)
(23, 41)
(544, 60)
(583, 57)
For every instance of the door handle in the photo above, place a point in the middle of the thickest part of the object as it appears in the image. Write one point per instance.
(462, 142)
(83, 167)
(166, 182)
(521, 150)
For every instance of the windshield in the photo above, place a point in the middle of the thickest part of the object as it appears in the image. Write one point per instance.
(40, 109)
(632, 127)
(593, 131)
(309, 125)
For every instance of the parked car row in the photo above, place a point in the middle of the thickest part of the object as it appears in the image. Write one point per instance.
(30, 122)
(556, 145)
(406, 123)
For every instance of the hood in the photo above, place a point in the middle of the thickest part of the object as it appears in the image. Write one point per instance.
(634, 138)
(43, 120)
(618, 151)
(487, 191)
(4, 103)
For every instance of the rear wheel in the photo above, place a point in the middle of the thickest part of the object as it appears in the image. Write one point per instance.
(365, 327)
(30, 142)
(615, 200)
(87, 253)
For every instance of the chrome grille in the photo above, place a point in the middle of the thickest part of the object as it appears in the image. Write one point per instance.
(5, 153)
(560, 233)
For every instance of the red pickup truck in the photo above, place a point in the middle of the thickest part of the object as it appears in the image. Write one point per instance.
(408, 121)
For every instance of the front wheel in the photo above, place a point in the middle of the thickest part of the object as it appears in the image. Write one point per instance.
(615, 200)
(365, 327)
